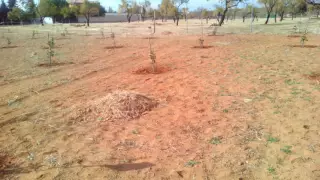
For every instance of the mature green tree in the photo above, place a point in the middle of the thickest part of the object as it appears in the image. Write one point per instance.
(269, 5)
(87, 9)
(3, 12)
(314, 7)
(59, 4)
(185, 12)
(11, 3)
(135, 8)
(16, 14)
(66, 12)
(245, 12)
(176, 9)
(144, 6)
(205, 14)
(30, 7)
(102, 10)
(165, 7)
(46, 9)
(282, 7)
(227, 4)
(297, 7)
(217, 12)
(125, 7)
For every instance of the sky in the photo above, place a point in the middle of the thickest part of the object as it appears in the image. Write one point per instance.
(193, 4)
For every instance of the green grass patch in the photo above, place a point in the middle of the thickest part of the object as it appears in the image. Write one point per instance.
(192, 163)
(271, 139)
(287, 149)
(215, 140)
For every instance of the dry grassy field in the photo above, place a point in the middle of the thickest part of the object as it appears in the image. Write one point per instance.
(246, 107)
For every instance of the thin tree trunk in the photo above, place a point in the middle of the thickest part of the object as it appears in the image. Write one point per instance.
(177, 21)
(268, 16)
(282, 14)
(243, 19)
(88, 21)
(223, 16)
(275, 17)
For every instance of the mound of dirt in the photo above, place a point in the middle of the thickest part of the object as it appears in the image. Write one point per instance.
(166, 33)
(148, 70)
(119, 105)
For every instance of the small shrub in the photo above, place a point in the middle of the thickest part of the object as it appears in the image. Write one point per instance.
(153, 57)
(295, 29)
(33, 34)
(287, 149)
(113, 37)
(66, 31)
(50, 52)
(102, 33)
(192, 163)
(215, 140)
(303, 38)
(201, 42)
(135, 131)
(8, 42)
(271, 170)
(273, 139)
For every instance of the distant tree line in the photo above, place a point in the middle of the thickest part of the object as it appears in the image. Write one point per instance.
(224, 11)
(58, 10)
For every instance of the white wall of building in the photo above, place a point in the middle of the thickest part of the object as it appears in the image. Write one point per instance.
(110, 17)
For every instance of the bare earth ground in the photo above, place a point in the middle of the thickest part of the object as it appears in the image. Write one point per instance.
(246, 108)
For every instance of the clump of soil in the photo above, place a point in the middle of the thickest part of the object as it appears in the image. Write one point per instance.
(150, 37)
(148, 70)
(202, 47)
(8, 47)
(294, 36)
(124, 105)
(113, 47)
(166, 33)
(53, 64)
(305, 46)
(314, 76)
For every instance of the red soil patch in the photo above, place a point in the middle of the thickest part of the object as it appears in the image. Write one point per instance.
(150, 38)
(305, 46)
(53, 64)
(294, 36)
(166, 33)
(8, 47)
(313, 76)
(203, 47)
(148, 70)
(113, 47)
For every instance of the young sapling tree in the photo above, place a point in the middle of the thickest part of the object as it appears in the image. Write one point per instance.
(33, 34)
(102, 33)
(50, 52)
(303, 39)
(153, 57)
(113, 37)
(8, 42)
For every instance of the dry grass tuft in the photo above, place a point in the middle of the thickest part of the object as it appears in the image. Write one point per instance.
(123, 105)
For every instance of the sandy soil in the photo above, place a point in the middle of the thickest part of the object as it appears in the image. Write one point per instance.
(246, 108)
